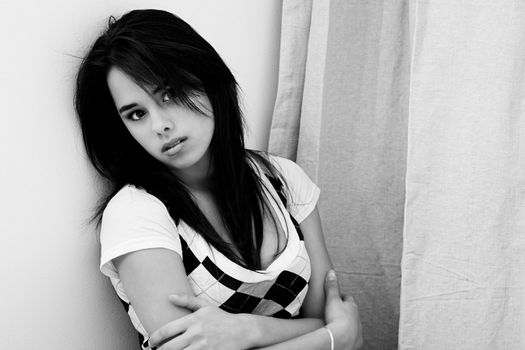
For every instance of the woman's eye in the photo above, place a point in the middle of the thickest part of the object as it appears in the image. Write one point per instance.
(166, 97)
(136, 115)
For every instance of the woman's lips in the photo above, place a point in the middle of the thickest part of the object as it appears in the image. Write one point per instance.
(172, 147)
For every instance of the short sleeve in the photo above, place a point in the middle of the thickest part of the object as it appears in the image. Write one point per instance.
(303, 193)
(134, 220)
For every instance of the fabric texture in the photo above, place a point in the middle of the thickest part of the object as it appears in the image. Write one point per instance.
(410, 116)
(136, 220)
(464, 242)
(341, 113)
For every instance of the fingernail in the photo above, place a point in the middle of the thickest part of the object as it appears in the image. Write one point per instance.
(332, 275)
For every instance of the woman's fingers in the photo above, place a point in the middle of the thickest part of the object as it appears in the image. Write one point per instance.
(169, 330)
(331, 286)
(342, 310)
(175, 328)
(188, 301)
(182, 342)
(176, 331)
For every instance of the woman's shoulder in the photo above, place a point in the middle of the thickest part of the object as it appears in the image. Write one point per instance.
(133, 214)
(278, 166)
(133, 199)
(134, 220)
(283, 164)
(287, 169)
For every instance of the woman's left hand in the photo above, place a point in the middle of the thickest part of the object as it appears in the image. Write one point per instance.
(208, 327)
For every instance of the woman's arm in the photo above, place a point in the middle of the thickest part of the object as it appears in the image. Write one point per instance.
(149, 276)
(342, 319)
(313, 305)
(212, 328)
(261, 330)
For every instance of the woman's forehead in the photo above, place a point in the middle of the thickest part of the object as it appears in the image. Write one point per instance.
(120, 83)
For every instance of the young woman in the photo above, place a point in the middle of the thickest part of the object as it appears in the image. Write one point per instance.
(234, 234)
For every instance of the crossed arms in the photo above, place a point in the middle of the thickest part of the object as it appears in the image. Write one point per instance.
(186, 322)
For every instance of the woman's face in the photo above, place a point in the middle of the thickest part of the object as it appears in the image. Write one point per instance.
(173, 134)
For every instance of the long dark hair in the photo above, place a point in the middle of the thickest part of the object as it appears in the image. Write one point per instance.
(157, 48)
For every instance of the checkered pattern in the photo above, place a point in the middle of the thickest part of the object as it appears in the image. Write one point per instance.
(280, 297)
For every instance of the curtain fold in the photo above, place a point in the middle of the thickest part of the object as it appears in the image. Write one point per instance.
(295, 32)
(341, 113)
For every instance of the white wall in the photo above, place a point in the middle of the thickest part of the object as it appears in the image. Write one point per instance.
(52, 295)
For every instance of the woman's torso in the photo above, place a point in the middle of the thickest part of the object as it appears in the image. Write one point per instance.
(277, 290)
(274, 237)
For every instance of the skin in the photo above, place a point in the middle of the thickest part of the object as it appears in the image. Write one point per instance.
(151, 275)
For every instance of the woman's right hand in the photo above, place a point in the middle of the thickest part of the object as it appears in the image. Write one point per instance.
(342, 316)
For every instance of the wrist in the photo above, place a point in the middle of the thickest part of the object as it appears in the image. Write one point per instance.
(331, 337)
(343, 336)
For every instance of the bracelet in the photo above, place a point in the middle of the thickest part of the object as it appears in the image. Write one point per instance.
(331, 337)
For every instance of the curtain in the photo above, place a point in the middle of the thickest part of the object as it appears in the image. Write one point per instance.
(464, 234)
(410, 117)
(341, 112)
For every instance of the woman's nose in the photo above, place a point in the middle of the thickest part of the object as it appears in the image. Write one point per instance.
(161, 122)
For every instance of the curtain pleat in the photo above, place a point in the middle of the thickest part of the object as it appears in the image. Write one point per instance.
(346, 125)
(295, 31)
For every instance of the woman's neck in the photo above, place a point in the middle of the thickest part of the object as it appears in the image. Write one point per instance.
(197, 178)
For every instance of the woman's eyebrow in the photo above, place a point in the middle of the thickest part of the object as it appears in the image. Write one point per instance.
(131, 105)
(126, 107)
